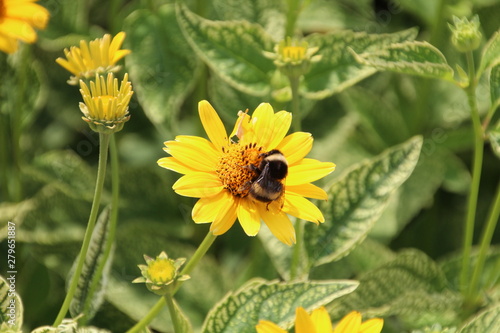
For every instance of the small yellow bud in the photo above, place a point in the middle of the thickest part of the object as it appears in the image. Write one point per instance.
(160, 273)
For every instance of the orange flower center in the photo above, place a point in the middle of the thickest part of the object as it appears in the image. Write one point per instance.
(2, 10)
(235, 168)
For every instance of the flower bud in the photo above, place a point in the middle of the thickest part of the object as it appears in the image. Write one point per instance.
(465, 34)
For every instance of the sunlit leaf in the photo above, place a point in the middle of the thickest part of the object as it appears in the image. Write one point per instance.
(495, 86)
(487, 321)
(11, 307)
(411, 286)
(491, 53)
(240, 311)
(338, 69)
(232, 49)
(163, 68)
(357, 200)
(89, 293)
(414, 58)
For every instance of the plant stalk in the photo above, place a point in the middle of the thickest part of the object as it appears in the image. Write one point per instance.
(101, 172)
(476, 172)
(173, 315)
(485, 243)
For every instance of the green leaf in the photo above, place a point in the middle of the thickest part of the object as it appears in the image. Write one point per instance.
(452, 265)
(185, 324)
(337, 68)
(414, 58)
(259, 300)
(11, 307)
(69, 326)
(232, 49)
(89, 294)
(411, 286)
(268, 14)
(486, 322)
(66, 171)
(162, 67)
(494, 137)
(491, 54)
(495, 86)
(357, 200)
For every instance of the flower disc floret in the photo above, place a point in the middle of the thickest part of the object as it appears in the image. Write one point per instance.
(221, 171)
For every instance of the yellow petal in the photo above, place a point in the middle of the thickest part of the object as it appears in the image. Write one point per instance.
(372, 326)
(278, 223)
(263, 124)
(31, 13)
(265, 326)
(303, 323)
(350, 323)
(173, 164)
(282, 121)
(116, 43)
(296, 146)
(18, 29)
(226, 216)
(302, 208)
(7, 44)
(249, 217)
(307, 190)
(308, 170)
(321, 320)
(206, 209)
(209, 151)
(212, 125)
(198, 185)
(192, 154)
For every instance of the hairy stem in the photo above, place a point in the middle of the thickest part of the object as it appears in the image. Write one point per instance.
(101, 172)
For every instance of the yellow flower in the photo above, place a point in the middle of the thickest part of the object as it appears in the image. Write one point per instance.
(224, 172)
(293, 57)
(17, 19)
(98, 56)
(105, 106)
(160, 273)
(319, 322)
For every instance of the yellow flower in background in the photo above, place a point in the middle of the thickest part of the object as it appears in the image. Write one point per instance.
(105, 106)
(18, 18)
(256, 173)
(160, 273)
(98, 56)
(319, 322)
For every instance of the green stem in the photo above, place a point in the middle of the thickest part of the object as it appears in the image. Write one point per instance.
(153, 312)
(297, 116)
(113, 218)
(195, 259)
(101, 172)
(200, 252)
(476, 172)
(297, 249)
(173, 314)
(291, 18)
(485, 243)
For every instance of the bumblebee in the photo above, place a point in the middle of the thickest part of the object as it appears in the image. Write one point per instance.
(268, 184)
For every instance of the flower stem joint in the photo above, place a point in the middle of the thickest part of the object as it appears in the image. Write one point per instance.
(466, 35)
(160, 274)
